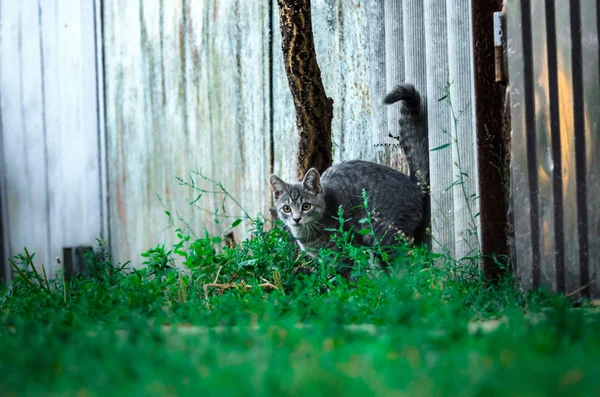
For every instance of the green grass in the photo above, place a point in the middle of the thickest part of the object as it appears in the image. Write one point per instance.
(240, 321)
(418, 330)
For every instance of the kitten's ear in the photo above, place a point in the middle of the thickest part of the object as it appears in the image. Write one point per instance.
(312, 181)
(278, 186)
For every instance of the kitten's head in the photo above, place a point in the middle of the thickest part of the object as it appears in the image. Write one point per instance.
(299, 205)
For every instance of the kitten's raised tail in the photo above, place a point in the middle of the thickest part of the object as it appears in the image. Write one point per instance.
(413, 132)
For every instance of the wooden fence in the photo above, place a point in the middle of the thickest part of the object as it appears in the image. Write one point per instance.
(195, 85)
(51, 139)
(555, 102)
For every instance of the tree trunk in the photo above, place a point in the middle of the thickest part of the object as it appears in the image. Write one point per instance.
(314, 110)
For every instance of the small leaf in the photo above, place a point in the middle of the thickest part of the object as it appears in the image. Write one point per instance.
(362, 232)
(363, 220)
(197, 198)
(248, 263)
(444, 146)
(236, 222)
(455, 183)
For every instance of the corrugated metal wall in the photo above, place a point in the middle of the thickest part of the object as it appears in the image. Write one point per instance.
(555, 104)
(50, 145)
(195, 85)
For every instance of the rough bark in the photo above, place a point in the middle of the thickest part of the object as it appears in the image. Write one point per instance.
(314, 110)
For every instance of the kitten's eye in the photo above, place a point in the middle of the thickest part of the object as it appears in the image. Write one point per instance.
(306, 207)
(287, 209)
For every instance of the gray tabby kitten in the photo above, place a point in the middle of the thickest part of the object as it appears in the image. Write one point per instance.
(396, 200)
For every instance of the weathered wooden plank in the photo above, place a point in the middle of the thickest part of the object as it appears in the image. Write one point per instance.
(225, 104)
(191, 101)
(327, 34)
(519, 45)
(23, 131)
(391, 154)
(590, 30)
(414, 50)
(415, 65)
(394, 66)
(567, 144)
(353, 98)
(124, 115)
(255, 123)
(377, 71)
(70, 99)
(199, 117)
(544, 52)
(101, 118)
(284, 130)
(466, 202)
(439, 126)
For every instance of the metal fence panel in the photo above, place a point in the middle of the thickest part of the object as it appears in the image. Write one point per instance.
(553, 61)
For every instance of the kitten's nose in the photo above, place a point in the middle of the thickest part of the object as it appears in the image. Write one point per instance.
(297, 220)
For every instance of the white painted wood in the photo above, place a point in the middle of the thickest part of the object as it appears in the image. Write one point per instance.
(195, 98)
(460, 57)
(439, 126)
(355, 140)
(377, 71)
(255, 103)
(51, 182)
(101, 117)
(285, 132)
(69, 84)
(414, 48)
(123, 99)
(25, 186)
(231, 104)
(394, 66)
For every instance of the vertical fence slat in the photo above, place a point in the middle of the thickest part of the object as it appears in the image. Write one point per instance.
(590, 30)
(199, 150)
(255, 102)
(101, 116)
(124, 104)
(23, 130)
(394, 65)
(439, 126)
(169, 133)
(414, 51)
(544, 120)
(377, 71)
(520, 189)
(327, 30)
(567, 141)
(285, 132)
(466, 201)
(353, 96)
(68, 41)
